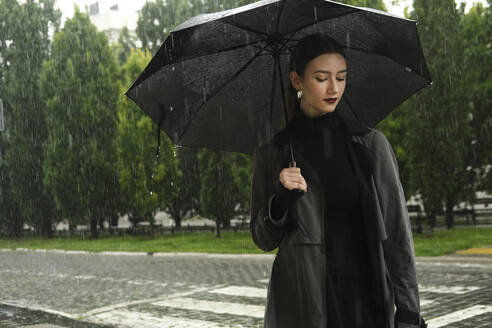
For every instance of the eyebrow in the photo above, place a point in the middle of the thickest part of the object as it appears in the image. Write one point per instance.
(328, 72)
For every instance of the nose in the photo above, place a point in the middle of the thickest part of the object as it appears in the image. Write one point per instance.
(332, 87)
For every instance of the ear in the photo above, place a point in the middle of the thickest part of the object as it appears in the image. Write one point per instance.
(295, 80)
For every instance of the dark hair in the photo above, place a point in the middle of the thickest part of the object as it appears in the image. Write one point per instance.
(306, 49)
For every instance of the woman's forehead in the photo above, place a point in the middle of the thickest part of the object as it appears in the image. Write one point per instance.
(331, 63)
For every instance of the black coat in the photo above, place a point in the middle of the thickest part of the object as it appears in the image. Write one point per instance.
(296, 291)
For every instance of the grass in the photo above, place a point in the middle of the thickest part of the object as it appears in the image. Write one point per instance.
(229, 242)
(439, 243)
(449, 241)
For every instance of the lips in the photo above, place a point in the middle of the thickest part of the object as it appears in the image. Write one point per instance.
(330, 100)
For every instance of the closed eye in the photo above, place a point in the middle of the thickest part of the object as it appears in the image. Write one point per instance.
(321, 80)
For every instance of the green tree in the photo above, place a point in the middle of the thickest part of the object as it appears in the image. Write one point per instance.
(241, 173)
(439, 133)
(24, 44)
(11, 221)
(194, 172)
(148, 183)
(188, 198)
(218, 190)
(122, 49)
(156, 20)
(78, 85)
(476, 33)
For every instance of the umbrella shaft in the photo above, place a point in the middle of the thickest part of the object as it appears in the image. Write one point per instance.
(277, 61)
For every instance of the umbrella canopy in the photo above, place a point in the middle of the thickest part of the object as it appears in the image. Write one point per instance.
(218, 79)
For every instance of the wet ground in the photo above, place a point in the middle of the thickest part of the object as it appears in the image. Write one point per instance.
(95, 290)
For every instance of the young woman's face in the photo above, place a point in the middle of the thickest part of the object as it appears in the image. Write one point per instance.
(323, 80)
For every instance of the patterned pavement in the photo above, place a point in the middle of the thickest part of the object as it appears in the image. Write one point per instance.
(77, 289)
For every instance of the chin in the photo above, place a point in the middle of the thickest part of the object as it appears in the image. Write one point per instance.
(329, 109)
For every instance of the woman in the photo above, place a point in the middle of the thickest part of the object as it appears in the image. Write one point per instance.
(345, 249)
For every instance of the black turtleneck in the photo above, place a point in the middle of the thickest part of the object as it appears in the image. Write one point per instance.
(321, 142)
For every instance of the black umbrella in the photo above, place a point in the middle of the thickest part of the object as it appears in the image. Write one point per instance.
(218, 79)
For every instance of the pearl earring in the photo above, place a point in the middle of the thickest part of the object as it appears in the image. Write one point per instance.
(299, 94)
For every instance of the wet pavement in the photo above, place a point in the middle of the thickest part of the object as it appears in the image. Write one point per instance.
(198, 290)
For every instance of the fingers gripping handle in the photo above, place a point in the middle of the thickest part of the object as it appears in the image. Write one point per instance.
(296, 192)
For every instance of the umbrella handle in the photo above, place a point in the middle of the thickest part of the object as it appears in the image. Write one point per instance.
(295, 192)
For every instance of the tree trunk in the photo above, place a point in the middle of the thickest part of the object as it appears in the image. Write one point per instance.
(113, 222)
(93, 227)
(217, 225)
(46, 228)
(15, 227)
(101, 224)
(431, 219)
(177, 219)
(175, 212)
(449, 214)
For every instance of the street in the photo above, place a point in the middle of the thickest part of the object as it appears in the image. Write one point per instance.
(78, 289)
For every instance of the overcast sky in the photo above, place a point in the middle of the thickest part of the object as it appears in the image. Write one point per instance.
(66, 6)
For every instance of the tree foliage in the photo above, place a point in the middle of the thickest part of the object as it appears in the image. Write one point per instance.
(122, 49)
(218, 190)
(442, 136)
(476, 36)
(78, 85)
(24, 44)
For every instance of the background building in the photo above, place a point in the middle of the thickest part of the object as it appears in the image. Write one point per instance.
(109, 16)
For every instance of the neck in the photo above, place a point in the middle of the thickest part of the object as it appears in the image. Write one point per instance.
(315, 116)
(312, 114)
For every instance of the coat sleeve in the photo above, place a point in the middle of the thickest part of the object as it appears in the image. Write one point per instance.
(398, 247)
(266, 232)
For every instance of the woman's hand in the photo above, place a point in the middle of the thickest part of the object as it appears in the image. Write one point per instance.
(291, 178)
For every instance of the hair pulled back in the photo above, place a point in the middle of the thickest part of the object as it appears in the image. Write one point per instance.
(306, 49)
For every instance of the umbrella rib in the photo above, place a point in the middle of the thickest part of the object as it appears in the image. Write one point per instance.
(220, 51)
(194, 57)
(220, 88)
(282, 4)
(382, 55)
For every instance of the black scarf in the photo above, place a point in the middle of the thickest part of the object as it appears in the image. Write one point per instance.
(322, 127)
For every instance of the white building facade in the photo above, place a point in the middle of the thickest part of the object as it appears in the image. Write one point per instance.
(109, 16)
